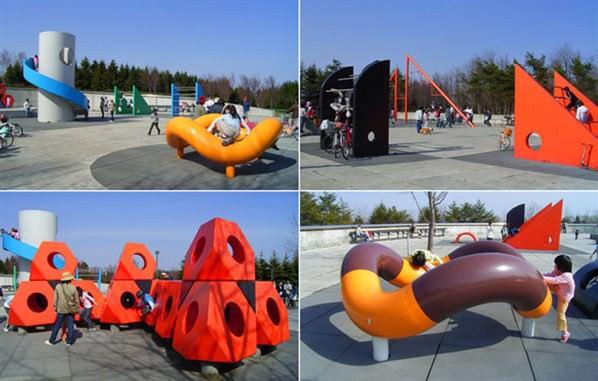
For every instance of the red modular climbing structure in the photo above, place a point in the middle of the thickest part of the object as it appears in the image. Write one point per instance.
(33, 303)
(92, 288)
(272, 318)
(169, 300)
(216, 320)
(541, 232)
(210, 258)
(560, 83)
(134, 272)
(150, 319)
(538, 115)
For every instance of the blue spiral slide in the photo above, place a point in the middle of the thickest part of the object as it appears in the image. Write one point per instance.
(75, 97)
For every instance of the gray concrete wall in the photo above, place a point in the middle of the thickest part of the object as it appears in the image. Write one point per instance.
(583, 228)
(21, 93)
(312, 237)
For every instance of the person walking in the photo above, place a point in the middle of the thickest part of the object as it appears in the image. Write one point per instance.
(111, 110)
(155, 122)
(27, 107)
(102, 104)
(489, 231)
(246, 106)
(87, 301)
(66, 305)
(419, 119)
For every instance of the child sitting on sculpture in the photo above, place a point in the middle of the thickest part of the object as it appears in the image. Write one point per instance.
(425, 259)
(228, 126)
(560, 281)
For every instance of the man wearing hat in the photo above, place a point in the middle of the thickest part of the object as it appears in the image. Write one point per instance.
(66, 305)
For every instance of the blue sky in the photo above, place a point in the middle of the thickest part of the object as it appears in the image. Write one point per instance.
(96, 225)
(442, 34)
(252, 37)
(500, 202)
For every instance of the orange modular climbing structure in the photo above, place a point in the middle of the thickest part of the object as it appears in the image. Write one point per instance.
(33, 303)
(541, 232)
(133, 273)
(538, 115)
(560, 83)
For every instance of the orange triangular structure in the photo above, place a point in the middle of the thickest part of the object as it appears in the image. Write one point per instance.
(541, 232)
(560, 83)
(565, 140)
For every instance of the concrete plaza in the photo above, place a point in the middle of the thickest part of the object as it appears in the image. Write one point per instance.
(451, 158)
(480, 342)
(130, 354)
(98, 154)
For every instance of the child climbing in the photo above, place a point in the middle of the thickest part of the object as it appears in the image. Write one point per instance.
(155, 122)
(560, 281)
(425, 259)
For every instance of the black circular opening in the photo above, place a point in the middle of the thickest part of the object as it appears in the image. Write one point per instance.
(273, 312)
(127, 299)
(235, 249)
(198, 249)
(234, 319)
(167, 308)
(37, 302)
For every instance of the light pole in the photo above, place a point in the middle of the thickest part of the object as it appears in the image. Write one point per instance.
(157, 259)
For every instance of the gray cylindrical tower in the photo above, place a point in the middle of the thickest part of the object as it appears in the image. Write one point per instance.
(35, 226)
(56, 60)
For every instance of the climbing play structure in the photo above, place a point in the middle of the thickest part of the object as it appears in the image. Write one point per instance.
(435, 90)
(58, 100)
(476, 273)
(559, 83)
(135, 105)
(176, 92)
(368, 94)
(6, 100)
(218, 312)
(546, 131)
(183, 132)
(541, 232)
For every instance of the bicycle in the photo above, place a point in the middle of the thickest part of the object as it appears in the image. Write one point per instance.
(15, 129)
(504, 139)
(6, 135)
(343, 141)
(289, 128)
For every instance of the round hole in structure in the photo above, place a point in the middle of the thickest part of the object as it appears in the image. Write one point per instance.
(190, 317)
(371, 136)
(155, 296)
(272, 309)
(37, 302)
(234, 319)
(66, 56)
(534, 141)
(56, 261)
(198, 249)
(139, 261)
(236, 249)
(167, 308)
(127, 299)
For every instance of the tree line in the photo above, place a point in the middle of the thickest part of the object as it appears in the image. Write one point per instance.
(329, 209)
(484, 82)
(99, 75)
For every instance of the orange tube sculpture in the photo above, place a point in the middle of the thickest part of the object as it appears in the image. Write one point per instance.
(473, 274)
(183, 132)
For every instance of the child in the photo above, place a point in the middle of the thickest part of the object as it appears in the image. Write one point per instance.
(424, 258)
(560, 281)
(146, 302)
(155, 122)
(228, 126)
(87, 301)
(7, 302)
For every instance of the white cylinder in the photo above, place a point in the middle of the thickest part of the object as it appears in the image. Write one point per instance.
(528, 327)
(380, 348)
(35, 226)
(56, 55)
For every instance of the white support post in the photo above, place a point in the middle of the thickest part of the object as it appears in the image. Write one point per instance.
(528, 326)
(380, 348)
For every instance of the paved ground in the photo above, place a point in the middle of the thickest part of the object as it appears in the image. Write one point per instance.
(97, 154)
(128, 355)
(455, 158)
(483, 341)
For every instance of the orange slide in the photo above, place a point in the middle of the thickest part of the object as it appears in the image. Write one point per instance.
(182, 132)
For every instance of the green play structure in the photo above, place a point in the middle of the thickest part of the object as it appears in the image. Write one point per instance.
(138, 105)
